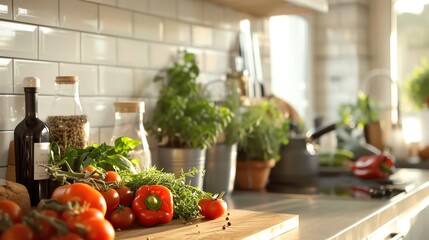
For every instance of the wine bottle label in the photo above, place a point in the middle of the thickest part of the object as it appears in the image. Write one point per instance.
(41, 157)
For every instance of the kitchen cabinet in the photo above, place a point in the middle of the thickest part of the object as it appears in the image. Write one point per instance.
(266, 8)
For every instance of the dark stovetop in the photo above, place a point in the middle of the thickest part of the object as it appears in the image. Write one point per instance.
(344, 186)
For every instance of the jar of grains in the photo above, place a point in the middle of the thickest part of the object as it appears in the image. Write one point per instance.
(67, 121)
(129, 123)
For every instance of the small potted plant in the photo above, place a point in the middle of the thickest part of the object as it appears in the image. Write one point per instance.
(221, 158)
(265, 129)
(417, 85)
(361, 117)
(185, 122)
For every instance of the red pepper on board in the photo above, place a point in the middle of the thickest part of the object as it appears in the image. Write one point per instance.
(153, 204)
(373, 167)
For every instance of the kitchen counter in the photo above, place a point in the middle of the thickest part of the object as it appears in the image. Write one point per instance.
(336, 217)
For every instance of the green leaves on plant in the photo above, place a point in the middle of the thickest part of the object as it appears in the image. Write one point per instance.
(101, 155)
(364, 111)
(264, 131)
(417, 86)
(183, 115)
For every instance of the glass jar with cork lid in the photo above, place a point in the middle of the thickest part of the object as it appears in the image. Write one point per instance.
(129, 123)
(67, 121)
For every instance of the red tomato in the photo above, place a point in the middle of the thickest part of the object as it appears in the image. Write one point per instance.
(81, 193)
(68, 236)
(18, 231)
(96, 229)
(72, 217)
(46, 229)
(212, 208)
(112, 176)
(12, 209)
(111, 197)
(91, 169)
(122, 217)
(126, 196)
(202, 204)
(58, 193)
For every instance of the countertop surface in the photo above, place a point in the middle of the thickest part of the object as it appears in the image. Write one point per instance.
(336, 217)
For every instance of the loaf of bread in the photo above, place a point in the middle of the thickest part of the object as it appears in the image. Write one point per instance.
(15, 192)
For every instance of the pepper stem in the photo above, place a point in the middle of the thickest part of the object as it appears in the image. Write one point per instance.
(153, 202)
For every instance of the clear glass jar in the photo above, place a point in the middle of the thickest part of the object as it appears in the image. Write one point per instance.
(67, 121)
(129, 123)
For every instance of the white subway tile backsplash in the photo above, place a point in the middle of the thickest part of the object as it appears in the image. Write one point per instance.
(165, 8)
(106, 2)
(6, 9)
(190, 10)
(11, 111)
(18, 40)
(46, 71)
(160, 55)
(115, 81)
(52, 42)
(98, 49)
(85, 19)
(44, 12)
(116, 21)
(148, 27)
(133, 53)
(94, 135)
(202, 36)
(45, 106)
(100, 110)
(225, 40)
(177, 32)
(115, 47)
(213, 13)
(144, 86)
(216, 62)
(135, 5)
(5, 139)
(6, 76)
(231, 19)
(87, 74)
(105, 134)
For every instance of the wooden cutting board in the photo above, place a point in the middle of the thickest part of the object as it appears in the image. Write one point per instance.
(244, 225)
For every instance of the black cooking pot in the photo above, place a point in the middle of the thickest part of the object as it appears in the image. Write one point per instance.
(298, 162)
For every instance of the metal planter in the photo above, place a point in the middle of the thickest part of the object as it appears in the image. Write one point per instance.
(173, 160)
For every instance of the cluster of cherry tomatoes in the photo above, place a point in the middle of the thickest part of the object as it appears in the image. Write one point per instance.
(83, 211)
(63, 223)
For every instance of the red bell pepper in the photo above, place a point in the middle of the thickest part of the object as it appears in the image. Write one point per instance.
(373, 167)
(153, 204)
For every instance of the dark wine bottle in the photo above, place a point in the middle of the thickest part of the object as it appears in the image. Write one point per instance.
(31, 137)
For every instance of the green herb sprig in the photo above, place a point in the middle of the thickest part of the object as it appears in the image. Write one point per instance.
(185, 197)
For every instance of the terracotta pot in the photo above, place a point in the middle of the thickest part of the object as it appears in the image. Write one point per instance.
(253, 175)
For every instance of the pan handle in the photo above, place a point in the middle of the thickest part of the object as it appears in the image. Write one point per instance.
(322, 131)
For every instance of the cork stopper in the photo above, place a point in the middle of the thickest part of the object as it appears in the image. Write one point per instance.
(66, 79)
(31, 82)
(129, 106)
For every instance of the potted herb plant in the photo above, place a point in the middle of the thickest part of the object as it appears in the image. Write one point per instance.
(361, 117)
(417, 85)
(185, 122)
(265, 129)
(221, 158)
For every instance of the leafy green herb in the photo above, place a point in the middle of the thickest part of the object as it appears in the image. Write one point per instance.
(364, 111)
(185, 197)
(183, 116)
(264, 131)
(100, 155)
(417, 86)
